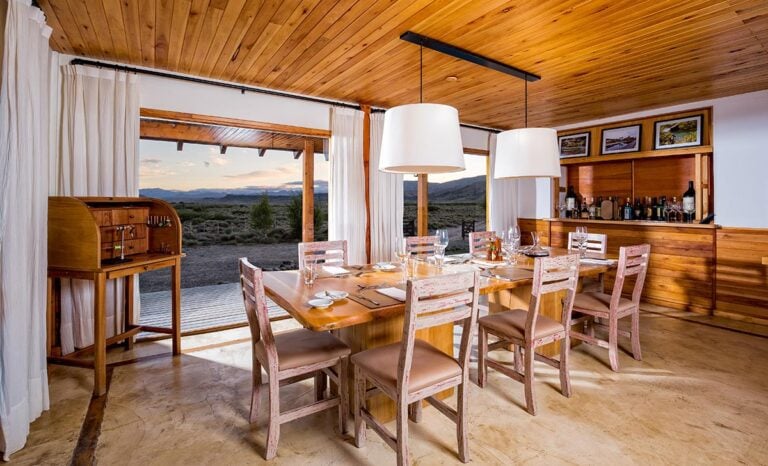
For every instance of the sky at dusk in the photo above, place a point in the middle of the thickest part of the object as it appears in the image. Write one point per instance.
(201, 166)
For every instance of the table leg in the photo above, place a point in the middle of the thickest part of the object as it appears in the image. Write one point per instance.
(176, 306)
(128, 309)
(49, 317)
(99, 336)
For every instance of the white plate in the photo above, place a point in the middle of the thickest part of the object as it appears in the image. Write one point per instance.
(385, 267)
(320, 303)
(332, 295)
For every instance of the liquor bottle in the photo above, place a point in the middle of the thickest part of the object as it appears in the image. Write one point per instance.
(662, 206)
(638, 212)
(592, 208)
(654, 205)
(584, 212)
(689, 203)
(606, 209)
(570, 202)
(648, 208)
(628, 212)
(599, 208)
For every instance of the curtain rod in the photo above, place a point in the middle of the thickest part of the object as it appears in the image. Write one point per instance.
(242, 88)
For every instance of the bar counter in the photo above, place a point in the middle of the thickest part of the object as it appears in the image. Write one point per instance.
(681, 273)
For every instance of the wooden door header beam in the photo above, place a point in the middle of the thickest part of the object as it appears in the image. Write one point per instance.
(466, 55)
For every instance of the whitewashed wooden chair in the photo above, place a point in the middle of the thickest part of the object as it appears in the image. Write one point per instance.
(478, 240)
(528, 330)
(590, 306)
(326, 252)
(413, 370)
(596, 242)
(420, 245)
(289, 357)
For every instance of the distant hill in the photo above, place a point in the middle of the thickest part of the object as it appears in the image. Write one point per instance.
(465, 190)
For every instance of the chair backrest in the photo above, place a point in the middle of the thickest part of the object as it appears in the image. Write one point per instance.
(633, 260)
(550, 275)
(327, 252)
(478, 240)
(437, 301)
(251, 281)
(420, 245)
(596, 242)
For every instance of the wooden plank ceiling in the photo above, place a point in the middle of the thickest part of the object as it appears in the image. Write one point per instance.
(596, 58)
(228, 136)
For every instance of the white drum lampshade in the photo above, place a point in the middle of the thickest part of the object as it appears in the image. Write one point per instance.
(527, 152)
(421, 138)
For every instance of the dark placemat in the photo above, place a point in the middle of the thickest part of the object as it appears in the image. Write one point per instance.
(384, 301)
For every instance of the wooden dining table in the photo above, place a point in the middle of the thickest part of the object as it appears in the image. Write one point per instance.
(363, 325)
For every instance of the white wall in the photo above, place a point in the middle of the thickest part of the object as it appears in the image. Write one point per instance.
(740, 172)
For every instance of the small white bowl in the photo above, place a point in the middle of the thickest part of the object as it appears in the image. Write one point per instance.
(322, 303)
(332, 295)
(385, 267)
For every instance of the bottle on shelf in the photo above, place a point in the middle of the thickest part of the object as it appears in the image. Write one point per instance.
(584, 211)
(628, 211)
(648, 208)
(599, 208)
(655, 209)
(689, 203)
(592, 209)
(638, 211)
(606, 209)
(570, 202)
(662, 207)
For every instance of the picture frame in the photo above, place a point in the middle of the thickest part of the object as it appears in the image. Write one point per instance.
(679, 132)
(574, 145)
(620, 140)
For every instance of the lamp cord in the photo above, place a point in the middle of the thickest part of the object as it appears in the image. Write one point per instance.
(526, 101)
(421, 74)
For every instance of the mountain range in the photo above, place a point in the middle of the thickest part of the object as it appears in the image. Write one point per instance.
(465, 190)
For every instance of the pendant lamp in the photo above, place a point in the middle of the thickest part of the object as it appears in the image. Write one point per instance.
(527, 152)
(421, 138)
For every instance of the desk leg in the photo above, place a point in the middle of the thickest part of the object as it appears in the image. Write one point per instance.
(128, 309)
(99, 336)
(176, 306)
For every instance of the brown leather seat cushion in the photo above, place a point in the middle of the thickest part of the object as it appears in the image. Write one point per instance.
(598, 302)
(511, 324)
(430, 365)
(304, 347)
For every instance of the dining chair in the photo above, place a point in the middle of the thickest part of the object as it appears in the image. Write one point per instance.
(478, 240)
(413, 370)
(289, 357)
(528, 330)
(329, 252)
(420, 245)
(589, 307)
(596, 242)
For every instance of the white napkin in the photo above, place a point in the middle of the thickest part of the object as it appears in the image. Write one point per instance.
(588, 260)
(333, 270)
(392, 292)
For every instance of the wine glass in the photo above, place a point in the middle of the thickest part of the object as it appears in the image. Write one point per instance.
(514, 233)
(442, 237)
(401, 252)
(580, 235)
(510, 244)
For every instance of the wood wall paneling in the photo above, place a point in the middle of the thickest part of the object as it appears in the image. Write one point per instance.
(605, 179)
(742, 276)
(663, 177)
(597, 58)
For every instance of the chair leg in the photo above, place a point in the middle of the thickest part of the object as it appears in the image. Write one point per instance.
(343, 368)
(613, 343)
(636, 353)
(273, 428)
(358, 404)
(255, 389)
(414, 411)
(518, 361)
(565, 378)
(461, 423)
(530, 400)
(482, 352)
(402, 433)
(320, 385)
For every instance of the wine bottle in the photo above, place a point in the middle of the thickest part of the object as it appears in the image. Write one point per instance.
(584, 212)
(638, 212)
(648, 208)
(662, 206)
(628, 212)
(599, 208)
(592, 208)
(570, 202)
(689, 203)
(654, 209)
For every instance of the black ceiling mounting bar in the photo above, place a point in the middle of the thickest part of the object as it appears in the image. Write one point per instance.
(240, 87)
(466, 55)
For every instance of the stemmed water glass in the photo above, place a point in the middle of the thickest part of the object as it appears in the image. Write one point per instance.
(580, 235)
(401, 252)
(442, 238)
(510, 244)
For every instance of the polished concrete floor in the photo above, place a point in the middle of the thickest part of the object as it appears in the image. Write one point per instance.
(700, 396)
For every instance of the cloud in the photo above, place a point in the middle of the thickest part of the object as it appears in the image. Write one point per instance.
(269, 175)
(219, 160)
(151, 162)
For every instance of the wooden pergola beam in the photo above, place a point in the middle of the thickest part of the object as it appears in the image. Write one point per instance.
(179, 145)
(297, 154)
(262, 151)
(222, 149)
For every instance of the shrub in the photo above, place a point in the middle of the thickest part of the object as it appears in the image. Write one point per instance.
(294, 217)
(262, 215)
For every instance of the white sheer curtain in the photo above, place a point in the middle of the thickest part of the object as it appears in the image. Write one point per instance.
(386, 199)
(346, 187)
(24, 154)
(503, 196)
(99, 157)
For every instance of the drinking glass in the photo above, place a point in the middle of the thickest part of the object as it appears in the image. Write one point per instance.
(510, 246)
(581, 239)
(442, 237)
(401, 252)
(514, 233)
(310, 272)
(439, 256)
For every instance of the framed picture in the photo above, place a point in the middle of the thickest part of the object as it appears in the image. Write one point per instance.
(620, 140)
(681, 132)
(574, 145)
